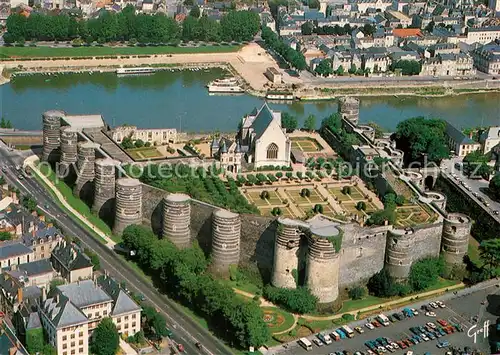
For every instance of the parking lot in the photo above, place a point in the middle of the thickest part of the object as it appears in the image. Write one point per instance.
(470, 310)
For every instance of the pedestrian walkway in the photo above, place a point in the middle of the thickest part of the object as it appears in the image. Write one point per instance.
(31, 162)
(126, 348)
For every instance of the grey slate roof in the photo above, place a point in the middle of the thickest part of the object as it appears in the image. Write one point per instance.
(34, 321)
(31, 292)
(457, 135)
(9, 250)
(43, 233)
(122, 302)
(84, 293)
(262, 120)
(37, 267)
(62, 312)
(8, 340)
(71, 256)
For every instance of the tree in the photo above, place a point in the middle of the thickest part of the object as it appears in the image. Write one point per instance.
(489, 251)
(29, 203)
(139, 143)
(425, 273)
(105, 339)
(127, 143)
(310, 123)
(333, 122)
(288, 121)
(353, 69)
(419, 136)
(494, 187)
(94, 258)
(314, 4)
(34, 340)
(307, 28)
(368, 30)
(361, 206)
(5, 236)
(324, 68)
(298, 300)
(195, 11)
(430, 27)
(357, 293)
(239, 25)
(340, 70)
(382, 284)
(408, 67)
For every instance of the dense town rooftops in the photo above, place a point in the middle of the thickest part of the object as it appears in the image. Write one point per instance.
(10, 250)
(36, 267)
(407, 32)
(70, 256)
(122, 301)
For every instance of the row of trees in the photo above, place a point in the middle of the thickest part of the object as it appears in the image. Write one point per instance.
(298, 300)
(407, 67)
(423, 274)
(475, 165)
(293, 57)
(184, 271)
(129, 26)
(5, 123)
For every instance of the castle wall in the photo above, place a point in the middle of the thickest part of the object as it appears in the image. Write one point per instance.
(362, 253)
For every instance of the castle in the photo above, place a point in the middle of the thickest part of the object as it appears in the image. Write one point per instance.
(321, 253)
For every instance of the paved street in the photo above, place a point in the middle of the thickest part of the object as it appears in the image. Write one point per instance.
(478, 186)
(459, 309)
(186, 330)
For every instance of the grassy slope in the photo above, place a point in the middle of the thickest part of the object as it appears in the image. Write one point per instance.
(7, 52)
(76, 203)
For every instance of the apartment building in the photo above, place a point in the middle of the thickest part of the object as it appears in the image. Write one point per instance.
(42, 241)
(77, 309)
(482, 35)
(14, 253)
(153, 136)
(490, 139)
(459, 142)
(70, 261)
(487, 58)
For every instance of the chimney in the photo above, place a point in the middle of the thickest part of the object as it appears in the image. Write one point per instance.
(19, 295)
(44, 294)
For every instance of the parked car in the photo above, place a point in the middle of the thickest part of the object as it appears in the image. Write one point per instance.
(440, 304)
(317, 342)
(359, 330)
(433, 305)
(426, 308)
(442, 322)
(369, 326)
(376, 324)
(398, 316)
(431, 325)
(443, 344)
(415, 312)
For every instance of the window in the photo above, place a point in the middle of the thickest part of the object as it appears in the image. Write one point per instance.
(80, 342)
(73, 336)
(119, 320)
(65, 337)
(72, 344)
(126, 317)
(72, 352)
(65, 353)
(81, 334)
(90, 315)
(272, 151)
(80, 351)
(133, 316)
(65, 346)
(104, 312)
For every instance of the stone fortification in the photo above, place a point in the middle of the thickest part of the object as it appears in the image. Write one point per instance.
(128, 208)
(177, 219)
(456, 234)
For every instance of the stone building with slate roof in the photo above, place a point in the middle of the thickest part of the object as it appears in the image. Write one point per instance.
(228, 152)
(9, 343)
(263, 140)
(126, 314)
(70, 261)
(77, 309)
(42, 240)
(459, 142)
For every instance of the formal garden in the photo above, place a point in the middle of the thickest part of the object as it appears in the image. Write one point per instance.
(409, 215)
(306, 144)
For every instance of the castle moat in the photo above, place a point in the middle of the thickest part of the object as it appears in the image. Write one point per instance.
(180, 100)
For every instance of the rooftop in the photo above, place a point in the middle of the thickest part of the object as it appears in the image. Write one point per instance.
(84, 121)
(407, 32)
(84, 293)
(13, 249)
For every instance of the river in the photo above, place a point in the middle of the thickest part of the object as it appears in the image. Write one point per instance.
(180, 100)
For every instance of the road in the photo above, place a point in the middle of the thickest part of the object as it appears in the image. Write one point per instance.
(461, 309)
(478, 186)
(186, 330)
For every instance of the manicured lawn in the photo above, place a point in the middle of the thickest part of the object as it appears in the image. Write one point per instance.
(101, 51)
(442, 283)
(144, 153)
(243, 286)
(362, 303)
(277, 320)
(76, 203)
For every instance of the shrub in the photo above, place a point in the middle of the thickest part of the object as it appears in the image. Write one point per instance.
(361, 206)
(318, 208)
(299, 300)
(400, 200)
(264, 195)
(346, 190)
(348, 317)
(276, 211)
(357, 293)
(305, 192)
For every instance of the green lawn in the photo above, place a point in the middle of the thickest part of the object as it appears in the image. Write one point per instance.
(368, 301)
(280, 321)
(106, 51)
(76, 203)
(473, 252)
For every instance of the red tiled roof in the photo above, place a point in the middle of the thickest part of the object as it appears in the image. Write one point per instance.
(407, 32)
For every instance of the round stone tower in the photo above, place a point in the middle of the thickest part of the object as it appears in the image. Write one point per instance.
(104, 183)
(323, 262)
(438, 199)
(398, 252)
(349, 109)
(456, 234)
(51, 122)
(226, 233)
(128, 206)
(286, 253)
(85, 170)
(69, 151)
(177, 219)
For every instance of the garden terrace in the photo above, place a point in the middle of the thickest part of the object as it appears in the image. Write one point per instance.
(144, 153)
(414, 214)
(306, 144)
(353, 200)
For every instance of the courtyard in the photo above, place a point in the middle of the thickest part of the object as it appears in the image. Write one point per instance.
(299, 199)
(306, 144)
(413, 214)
